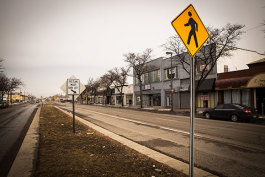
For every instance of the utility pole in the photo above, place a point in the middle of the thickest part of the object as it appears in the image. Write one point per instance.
(171, 80)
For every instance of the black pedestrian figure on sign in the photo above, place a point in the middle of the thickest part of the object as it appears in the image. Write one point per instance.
(194, 26)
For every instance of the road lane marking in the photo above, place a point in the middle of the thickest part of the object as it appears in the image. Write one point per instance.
(207, 137)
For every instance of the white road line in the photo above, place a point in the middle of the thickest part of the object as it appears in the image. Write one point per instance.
(227, 141)
(144, 123)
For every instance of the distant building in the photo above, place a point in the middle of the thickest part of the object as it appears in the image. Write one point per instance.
(127, 95)
(156, 81)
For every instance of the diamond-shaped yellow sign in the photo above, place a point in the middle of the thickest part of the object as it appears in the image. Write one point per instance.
(190, 29)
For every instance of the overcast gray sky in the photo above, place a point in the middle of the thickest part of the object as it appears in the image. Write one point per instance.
(44, 42)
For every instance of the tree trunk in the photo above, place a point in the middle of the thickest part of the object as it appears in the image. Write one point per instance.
(8, 98)
(141, 95)
(104, 98)
(121, 99)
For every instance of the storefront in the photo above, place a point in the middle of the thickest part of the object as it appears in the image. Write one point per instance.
(258, 83)
(205, 95)
(246, 87)
(129, 99)
(150, 98)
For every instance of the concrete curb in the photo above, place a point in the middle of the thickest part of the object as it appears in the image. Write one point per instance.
(24, 163)
(173, 163)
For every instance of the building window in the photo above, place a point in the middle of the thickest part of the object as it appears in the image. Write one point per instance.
(227, 96)
(236, 97)
(245, 97)
(169, 74)
(147, 78)
(155, 76)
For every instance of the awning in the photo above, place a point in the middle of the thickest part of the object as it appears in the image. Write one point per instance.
(149, 92)
(206, 85)
(232, 83)
(257, 81)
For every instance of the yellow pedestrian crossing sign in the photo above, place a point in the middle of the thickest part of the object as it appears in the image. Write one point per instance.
(190, 29)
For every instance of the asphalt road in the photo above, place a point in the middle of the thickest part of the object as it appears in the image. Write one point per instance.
(221, 147)
(14, 123)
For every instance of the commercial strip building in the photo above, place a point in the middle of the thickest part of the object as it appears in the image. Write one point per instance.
(245, 87)
(228, 82)
(127, 95)
(157, 86)
(15, 97)
(110, 96)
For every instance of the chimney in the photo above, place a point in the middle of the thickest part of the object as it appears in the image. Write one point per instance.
(225, 68)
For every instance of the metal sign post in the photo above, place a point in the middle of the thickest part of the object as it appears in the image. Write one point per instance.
(73, 100)
(73, 88)
(193, 34)
(192, 113)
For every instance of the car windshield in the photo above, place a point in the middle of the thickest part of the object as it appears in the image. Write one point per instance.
(219, 106)
(241, 106)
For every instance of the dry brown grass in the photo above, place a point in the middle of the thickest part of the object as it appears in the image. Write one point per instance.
(63, 153)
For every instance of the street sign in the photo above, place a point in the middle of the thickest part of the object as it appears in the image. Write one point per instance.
(190, 29)
(73, 86)
(64, 87)
(193, 34)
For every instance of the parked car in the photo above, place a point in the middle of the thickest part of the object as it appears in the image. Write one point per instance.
(233, 112)
(3, 104)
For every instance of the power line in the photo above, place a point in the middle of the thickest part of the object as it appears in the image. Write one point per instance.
(255, 27)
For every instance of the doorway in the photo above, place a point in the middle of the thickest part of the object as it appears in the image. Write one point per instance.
(260, 95)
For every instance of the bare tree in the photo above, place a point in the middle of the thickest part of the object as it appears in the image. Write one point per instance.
(95, 84)
(92, 87)
(220, 43)
(7, 85)
(1, 65)
(138, 63)
(88, 89)
(14, 83)
(4, 84)
(121, 75)
(105, 82)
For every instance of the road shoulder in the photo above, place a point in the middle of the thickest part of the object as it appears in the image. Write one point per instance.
(24, 162)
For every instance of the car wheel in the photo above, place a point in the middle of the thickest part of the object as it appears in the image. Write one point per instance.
(207, 115)
(234, 118)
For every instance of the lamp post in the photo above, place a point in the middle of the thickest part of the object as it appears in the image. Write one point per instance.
(171, 80)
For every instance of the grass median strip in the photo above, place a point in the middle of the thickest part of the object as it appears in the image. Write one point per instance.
(88, 152)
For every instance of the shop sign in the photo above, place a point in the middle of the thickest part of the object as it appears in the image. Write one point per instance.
(257, 81)
(146, 87)
(202, 67)
(204, 97)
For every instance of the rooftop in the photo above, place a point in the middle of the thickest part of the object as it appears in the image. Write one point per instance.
(257, 61)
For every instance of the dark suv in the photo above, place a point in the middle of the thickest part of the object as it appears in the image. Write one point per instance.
(232, 112)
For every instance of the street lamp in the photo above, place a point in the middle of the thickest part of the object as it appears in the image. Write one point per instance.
(171, 80)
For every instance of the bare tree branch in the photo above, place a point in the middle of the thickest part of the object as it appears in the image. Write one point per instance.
(220, 43)
(138, 63)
